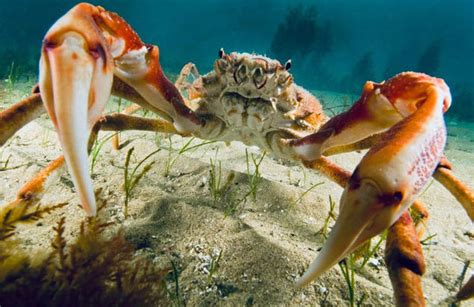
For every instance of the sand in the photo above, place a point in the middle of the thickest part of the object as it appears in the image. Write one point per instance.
(266, 243)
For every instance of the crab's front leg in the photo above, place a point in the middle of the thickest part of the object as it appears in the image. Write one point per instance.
(81, 53)
(394, 170)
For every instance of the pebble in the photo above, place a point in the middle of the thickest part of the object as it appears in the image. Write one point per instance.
(322, 290)
(374, 262)
(303, 297)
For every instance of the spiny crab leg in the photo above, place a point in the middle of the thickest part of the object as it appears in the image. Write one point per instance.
(81, 53)
(394, 170)
(18, 115)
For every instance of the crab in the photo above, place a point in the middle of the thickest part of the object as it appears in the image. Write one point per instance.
(91, 53)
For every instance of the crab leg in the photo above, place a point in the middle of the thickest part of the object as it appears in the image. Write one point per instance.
(457, 188)
(120, 89)
(81, 53)
(18, 115)
(392, 173)
(32, 191)
(405, 262)
(122, 122)
(128, 110)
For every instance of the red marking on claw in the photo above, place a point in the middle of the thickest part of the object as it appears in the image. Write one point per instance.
(412, 86)
(120, 28)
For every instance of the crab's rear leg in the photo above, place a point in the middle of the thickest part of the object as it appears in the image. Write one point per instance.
(392, 173)
(33, 190)
(183, 81)
(18, 115)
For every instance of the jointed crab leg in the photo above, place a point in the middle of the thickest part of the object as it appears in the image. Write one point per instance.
(465, 196)
(18, 115)
(405, 262)
(81, 53)
(122, 122)
(392, 173)
(33, 190)
(121, 89)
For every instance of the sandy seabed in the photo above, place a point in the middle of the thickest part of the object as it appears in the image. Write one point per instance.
(266, 243)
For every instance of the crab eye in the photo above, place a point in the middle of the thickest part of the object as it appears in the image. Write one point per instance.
(288, 65)
(221, 53)
(259, 78)
(241, 74)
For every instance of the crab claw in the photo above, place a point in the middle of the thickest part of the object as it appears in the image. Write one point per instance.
(76, 74)
(393, 172)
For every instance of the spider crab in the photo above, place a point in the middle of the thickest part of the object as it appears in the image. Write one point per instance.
(91, 53)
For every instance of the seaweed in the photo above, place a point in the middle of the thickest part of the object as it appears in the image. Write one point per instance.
(98, 144)
(255, 177)
(215, 180)
(132, 178)
(214, 265)
(363, 70)
(300, 198)
(430, 58)
(463, 103)
(348, 269)
(21, 212)
(172, 158)
(300, 34)
(95, 267)
(174, 293)
(219, 187)
(331, 216)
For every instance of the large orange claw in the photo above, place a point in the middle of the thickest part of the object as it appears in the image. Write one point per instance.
(394, 171)
(76, 73)
(81, 54)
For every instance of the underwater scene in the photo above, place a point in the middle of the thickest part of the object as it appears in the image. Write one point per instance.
(237, 153)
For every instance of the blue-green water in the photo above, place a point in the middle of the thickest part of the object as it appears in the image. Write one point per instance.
(334, 44)
(179, 214)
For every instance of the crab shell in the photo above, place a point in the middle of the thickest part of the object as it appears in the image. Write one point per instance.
(255, 97)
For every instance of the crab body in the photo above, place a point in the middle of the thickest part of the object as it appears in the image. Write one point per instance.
(255, 99)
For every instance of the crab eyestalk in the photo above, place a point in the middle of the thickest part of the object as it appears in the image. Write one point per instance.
(394, 170)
